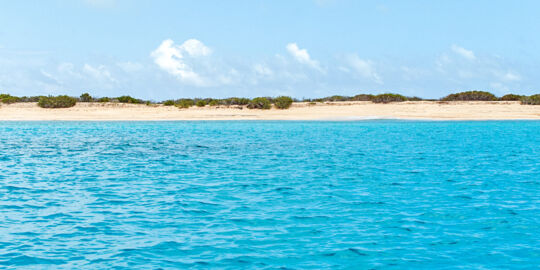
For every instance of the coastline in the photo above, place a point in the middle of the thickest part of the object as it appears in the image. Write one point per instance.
(337, 111)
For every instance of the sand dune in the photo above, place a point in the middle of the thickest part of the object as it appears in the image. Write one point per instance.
(477, 110)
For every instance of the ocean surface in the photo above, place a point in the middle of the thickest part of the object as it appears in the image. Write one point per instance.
(270, 195)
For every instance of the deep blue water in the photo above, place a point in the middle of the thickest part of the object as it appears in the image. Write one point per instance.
(353, 195)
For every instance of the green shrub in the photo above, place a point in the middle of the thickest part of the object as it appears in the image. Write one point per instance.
(57, 102)
(184, 103)
(128, 99)
(414, 99)
(104, 99)
(531, 100)
(86, 98)
(168, 102)
(470, 96)
(283, 102)
(234, 101)
(511, 97)
(259, 103)
(336, 98)
(213, 102)
(201, 103)
(8, 99)
(387, 98)
(362, 97)
(29, 99)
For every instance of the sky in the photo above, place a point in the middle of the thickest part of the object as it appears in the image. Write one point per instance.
(305, 49)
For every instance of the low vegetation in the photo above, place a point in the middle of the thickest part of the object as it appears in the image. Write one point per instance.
(265, 103)
(201, 103)
(129, 99)
(531, 100)
(387, 98)
(511, 97)
(86, 98)
(259, 103)
(470, 96)
(57, 102)
(184, 103)
(283, 102)
(8, 99)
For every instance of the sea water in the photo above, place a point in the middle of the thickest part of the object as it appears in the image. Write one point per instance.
(290, 195)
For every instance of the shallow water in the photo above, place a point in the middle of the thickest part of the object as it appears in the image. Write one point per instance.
(355, 195)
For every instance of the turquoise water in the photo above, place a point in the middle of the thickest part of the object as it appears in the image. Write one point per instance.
(342, 195)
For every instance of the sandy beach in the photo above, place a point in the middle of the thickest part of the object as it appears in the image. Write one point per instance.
(435, 110)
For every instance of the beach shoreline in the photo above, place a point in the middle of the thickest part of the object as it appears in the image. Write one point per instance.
(329, 111)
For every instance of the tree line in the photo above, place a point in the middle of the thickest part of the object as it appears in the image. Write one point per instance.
(281, 102)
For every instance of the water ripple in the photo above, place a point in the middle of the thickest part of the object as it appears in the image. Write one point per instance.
(289, 195)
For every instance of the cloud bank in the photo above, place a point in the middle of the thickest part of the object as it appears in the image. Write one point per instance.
(172, 59)
(302, 56)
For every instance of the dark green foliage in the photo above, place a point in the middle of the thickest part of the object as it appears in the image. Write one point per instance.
(387, 98)
(8, 99)
(531, 100)
(259, 103)
(169, 102)
(511, 97)
(104, 99)
(234, 101)
(283, 102)
(128, 99)
(57, 102)
(201, 103)
(29, 99)
(86, 98)
(362, 97)
(184, 103)
(336, 98)
(470, 96)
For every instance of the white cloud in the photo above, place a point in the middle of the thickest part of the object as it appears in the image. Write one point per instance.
(364, 68)
(302, 56)
(100, 72)
(172, 59)
(262, 70)
(195, 48)
(467, 54)
(68, 69)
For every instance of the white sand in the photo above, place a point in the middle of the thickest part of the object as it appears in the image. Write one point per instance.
(478, 110)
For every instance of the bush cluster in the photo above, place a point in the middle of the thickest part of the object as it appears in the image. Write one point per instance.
(57, 102)
(531, 100)
(259, 103)
(387, 98)
(129, 99)
(201, 103)
(86, 98)
(184, 103)
(381, 98)
(8, 99)
(511, 97)
(470, 96)
(283, 102)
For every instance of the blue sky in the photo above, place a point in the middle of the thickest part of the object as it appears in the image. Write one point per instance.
(311, 48)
